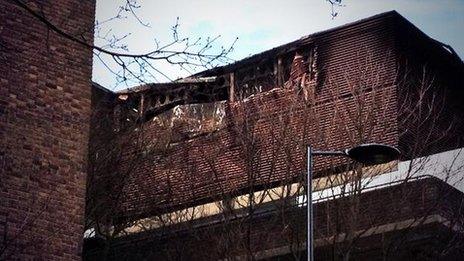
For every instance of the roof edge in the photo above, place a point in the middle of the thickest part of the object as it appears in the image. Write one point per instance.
(101, 88)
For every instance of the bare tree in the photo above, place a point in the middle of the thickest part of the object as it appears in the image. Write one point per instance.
(424, 128)
(187, 54)
(367, 106)
(268, 143)
(145, 67)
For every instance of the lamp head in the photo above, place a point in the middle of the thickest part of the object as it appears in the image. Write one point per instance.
(373, 153)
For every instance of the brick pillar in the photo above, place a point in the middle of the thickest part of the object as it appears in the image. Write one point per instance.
(45, 88)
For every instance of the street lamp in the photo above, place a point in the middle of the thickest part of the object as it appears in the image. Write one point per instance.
(370, 154)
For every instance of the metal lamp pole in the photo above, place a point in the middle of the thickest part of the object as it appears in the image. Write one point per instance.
(369, 154)
(309, 204)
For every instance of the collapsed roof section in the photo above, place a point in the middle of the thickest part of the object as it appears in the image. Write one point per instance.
(295, 63)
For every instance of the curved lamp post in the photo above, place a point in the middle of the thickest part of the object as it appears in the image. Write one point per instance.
(369, 154)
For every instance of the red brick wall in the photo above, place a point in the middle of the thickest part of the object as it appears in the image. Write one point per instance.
(264, 150)
(357, 67)
(264, 141)
(45, 88)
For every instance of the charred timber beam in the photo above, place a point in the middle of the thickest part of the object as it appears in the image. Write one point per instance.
(232, 87)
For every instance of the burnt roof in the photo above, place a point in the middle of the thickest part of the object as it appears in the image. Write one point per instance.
(295, 45)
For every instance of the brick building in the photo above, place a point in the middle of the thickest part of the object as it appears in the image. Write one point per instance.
(45, 108)
(210, 167)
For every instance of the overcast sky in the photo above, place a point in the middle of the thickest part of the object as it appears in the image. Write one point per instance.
(261, 25)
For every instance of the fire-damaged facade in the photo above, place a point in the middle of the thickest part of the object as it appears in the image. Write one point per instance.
(212, 166)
